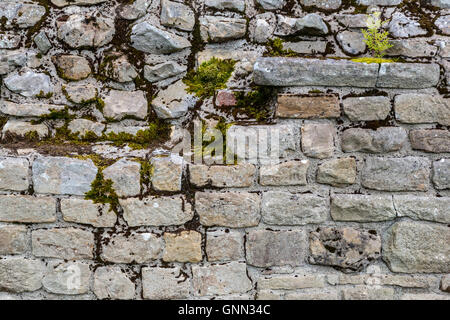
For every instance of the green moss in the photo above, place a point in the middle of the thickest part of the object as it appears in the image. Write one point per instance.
(372, 60)
(102, 191)
(256, 103)
(3, 121)
(99, 103)
(212, 75)
(274, 48)
(146, 173)
(156, 131)
(98, 160)
(55, 115)
(106, 70)
(206, 148)
(32, 136)
(89, 136)
(43, 95)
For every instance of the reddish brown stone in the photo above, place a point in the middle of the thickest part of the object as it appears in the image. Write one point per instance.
(225, 98)
(430, 140)
(295, 106)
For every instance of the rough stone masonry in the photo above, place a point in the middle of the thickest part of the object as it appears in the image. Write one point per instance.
(96, 204)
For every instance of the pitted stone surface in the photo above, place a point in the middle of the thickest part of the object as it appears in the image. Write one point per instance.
(284, 174)
(423, 208)
(183, 247)
(337, 172)
(215, 249)
(346, 248)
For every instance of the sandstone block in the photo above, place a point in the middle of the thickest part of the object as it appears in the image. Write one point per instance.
(228, 209)
(183, 247)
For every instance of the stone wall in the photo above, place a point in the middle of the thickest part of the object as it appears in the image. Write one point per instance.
(97, 203)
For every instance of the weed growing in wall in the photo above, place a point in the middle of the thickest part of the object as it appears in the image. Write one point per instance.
(377, 41)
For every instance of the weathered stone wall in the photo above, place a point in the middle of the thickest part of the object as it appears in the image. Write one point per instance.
(94, 203)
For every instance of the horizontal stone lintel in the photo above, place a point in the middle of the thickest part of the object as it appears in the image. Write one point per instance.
(284, 72)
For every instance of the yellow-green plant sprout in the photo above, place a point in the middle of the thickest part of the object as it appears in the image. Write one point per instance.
(377, 40)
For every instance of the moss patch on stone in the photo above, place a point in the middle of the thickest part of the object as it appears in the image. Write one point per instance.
(102, 191)
(157, 131)
(42, 95)
(55, 115)
(373, 60)
(31, 136)
(256, 103)
(274, 48)
(3, 121)
(212, 75)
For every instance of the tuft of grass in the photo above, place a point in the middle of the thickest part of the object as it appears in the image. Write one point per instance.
(373, 60)
(212, 75)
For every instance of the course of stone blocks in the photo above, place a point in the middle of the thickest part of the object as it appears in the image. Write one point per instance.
(97, 202)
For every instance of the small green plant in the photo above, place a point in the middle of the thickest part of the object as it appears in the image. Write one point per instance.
(377, 41)
(210, 76)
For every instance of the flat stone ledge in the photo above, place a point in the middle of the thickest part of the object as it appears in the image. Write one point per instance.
(284, 72)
